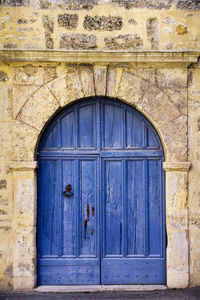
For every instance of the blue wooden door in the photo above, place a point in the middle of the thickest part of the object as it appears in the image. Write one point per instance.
(109, 226)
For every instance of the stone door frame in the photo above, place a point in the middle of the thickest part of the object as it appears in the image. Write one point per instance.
(141, 81)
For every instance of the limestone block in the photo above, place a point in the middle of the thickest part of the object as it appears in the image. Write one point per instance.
(177, 279)
(74, 88)
(153, 32)
(111, 82)
(48, 26)
(68, 21)
(24, 141)
(78, 41)
(178, 96)
(24, 193)
(50, 73)
(14, 3)
(194, 254)
(58, 89)
(171, 78)
(194, 187)
(102, 23)
(194, 88)
(43, 104)
(188, 4)
(20, 95)
(177, 220)
(132, 87)
(174, 134)
(154, 4)
(176, 190)
(64, 4)
(158, 106)
(124, 42)
(177, 259)
(6, 103)
(6, 140)
(29, 74)
(87, 80)
(166, 114)
(3, 76)
(21, 283)
(100, 75)
(24, 256)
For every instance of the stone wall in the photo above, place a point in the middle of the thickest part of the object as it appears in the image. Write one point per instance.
(100, 24)
(165, 90)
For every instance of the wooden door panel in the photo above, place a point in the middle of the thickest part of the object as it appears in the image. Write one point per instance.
(111, 229)
(132, 214)
(76, 259)
(48, 210)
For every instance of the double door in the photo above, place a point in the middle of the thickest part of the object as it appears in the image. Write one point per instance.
(101, 216)
(106, 228)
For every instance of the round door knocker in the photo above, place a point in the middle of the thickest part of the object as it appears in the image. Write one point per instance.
(67, 192)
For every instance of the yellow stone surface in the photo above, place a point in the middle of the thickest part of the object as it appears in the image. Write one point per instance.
(165, 88)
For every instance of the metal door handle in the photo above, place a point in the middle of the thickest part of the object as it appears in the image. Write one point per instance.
(67, 192)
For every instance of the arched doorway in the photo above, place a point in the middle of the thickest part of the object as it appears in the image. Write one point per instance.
(101, 212)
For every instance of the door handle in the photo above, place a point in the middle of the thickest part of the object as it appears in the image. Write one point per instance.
(67, 192)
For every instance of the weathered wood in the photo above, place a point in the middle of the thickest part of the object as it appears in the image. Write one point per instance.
(111, 227)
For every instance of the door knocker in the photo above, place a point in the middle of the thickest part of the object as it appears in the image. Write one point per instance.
(67, 192)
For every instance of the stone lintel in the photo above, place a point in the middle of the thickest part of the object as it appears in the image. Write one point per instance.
(177, 166)
(98, 56)
(23, 165)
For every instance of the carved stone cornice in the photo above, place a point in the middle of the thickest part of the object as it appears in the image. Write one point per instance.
(98, 56)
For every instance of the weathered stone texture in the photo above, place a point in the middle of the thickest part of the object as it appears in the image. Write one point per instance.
(74, 89)
(10, 45)
(102, 23)
(48, 106)
(3, 76)
(48, 25)
(188, 4)
(68, 4)
(14, 2)
(78, 41)
(29, 74)
(124, 42)
(132, 21)
(152, 32)
(24, 146)
(87, 80)
(68, 21)
(3, 184)
(181, 29)
(100, 74)
(154, 4)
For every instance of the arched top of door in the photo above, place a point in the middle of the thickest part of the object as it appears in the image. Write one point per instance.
(100, 124)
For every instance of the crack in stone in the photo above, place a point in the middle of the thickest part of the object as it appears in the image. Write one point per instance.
(27, 101)
(52, 94)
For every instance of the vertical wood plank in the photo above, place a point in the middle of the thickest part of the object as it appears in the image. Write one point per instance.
(136, 207)
(68, 130)
(113, 207)
(68, 209)
(113, 126)
(86, 126)
(49, 207)
(88, 209)
(134, 130)
(155, 213)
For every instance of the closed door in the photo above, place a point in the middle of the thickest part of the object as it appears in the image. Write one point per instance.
(101, 215)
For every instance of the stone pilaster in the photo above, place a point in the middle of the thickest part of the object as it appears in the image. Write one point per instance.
(24, 224)
(177, 223)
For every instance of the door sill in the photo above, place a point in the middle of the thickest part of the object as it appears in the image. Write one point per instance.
(96, 288)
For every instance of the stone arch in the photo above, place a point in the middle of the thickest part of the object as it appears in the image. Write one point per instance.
(142, 91)
(154, 93)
